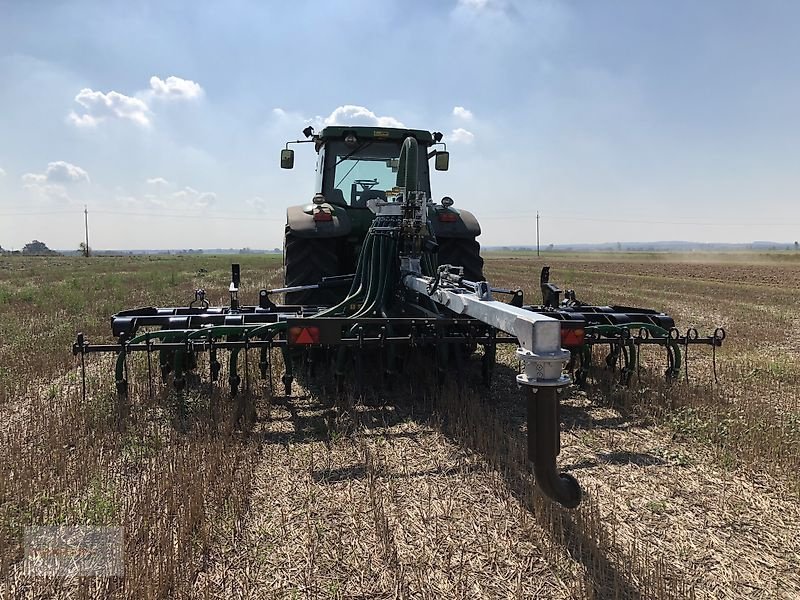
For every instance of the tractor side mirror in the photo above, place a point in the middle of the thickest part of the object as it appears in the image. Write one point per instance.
(287, 158)
(442, 161)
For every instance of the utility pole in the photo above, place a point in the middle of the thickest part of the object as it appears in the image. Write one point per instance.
(86, 229)
(537, 233)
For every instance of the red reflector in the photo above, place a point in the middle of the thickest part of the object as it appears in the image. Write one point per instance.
(448, 217)
(303, 335)
(571, 338)
(323, 216)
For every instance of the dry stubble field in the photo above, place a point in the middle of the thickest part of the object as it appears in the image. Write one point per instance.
(691, 490)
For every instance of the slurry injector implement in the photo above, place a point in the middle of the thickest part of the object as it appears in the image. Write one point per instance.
(376, 272)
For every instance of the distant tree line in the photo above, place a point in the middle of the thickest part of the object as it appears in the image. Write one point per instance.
(34, 248)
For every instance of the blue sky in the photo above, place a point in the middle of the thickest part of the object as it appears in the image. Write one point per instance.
(618, 121)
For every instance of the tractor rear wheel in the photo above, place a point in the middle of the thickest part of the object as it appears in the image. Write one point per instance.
(305, 262)
(462, 252)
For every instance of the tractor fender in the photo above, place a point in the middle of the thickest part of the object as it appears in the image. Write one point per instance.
(464, 226)
(300, 221)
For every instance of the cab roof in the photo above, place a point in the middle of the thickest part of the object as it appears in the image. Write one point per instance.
(385, 133)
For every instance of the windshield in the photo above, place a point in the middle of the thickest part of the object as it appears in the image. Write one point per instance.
(353, 176)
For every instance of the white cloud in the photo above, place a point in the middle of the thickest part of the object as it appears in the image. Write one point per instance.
(64, 172)
(99, 106)
(57, 172)
(32, 178)
(52, 184)
(175, 88)
(257, 203)
(184, 199)
(460, 135)
(191, 197)
(462, 113)
(350, 114)
(48, 192)
(485, 5)
(2, 172)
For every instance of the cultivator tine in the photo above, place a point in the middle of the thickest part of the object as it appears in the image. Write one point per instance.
(165, 365)
(247, 364)
(149, 371)
(673, 355)
(629, 358)
(641, 335)
(122, 383)
(288, 375)
(686, 352)
(233, 373)
(213, 364)
(718, 338)
(625, 349)
(79, 347)
(489, 358)
(442, 357)
(270, 374)
(263, 362)
(178, 377)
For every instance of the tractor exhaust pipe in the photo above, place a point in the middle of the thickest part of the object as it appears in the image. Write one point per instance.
(544, 445)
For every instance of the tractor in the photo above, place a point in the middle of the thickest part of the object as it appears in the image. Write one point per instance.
(375, 268)
(356, 166)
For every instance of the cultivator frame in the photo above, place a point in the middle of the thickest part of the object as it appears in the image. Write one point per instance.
(624, 329)
(400, 298)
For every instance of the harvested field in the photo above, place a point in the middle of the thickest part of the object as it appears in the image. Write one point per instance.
(691, 489)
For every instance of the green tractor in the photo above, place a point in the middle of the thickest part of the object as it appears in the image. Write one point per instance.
(357, 167)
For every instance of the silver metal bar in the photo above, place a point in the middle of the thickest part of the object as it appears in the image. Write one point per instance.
(539, 336)
(543, 360)
(536, 333)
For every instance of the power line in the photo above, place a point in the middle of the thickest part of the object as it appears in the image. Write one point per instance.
(38, 213)
(210, 217)
(484, 217)
(495, 217)
(225, 217)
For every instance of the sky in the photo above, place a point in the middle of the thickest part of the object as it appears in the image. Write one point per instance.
(617, 121)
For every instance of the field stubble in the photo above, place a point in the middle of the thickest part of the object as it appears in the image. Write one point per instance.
(691, 489)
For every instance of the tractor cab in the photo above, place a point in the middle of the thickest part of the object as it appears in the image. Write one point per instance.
(357, 166)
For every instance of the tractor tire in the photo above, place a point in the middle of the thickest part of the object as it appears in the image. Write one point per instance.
(305, 262)
(462, 252)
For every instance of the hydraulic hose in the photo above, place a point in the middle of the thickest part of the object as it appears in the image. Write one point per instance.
(357, 287)
(374, 276)
(380, 275)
